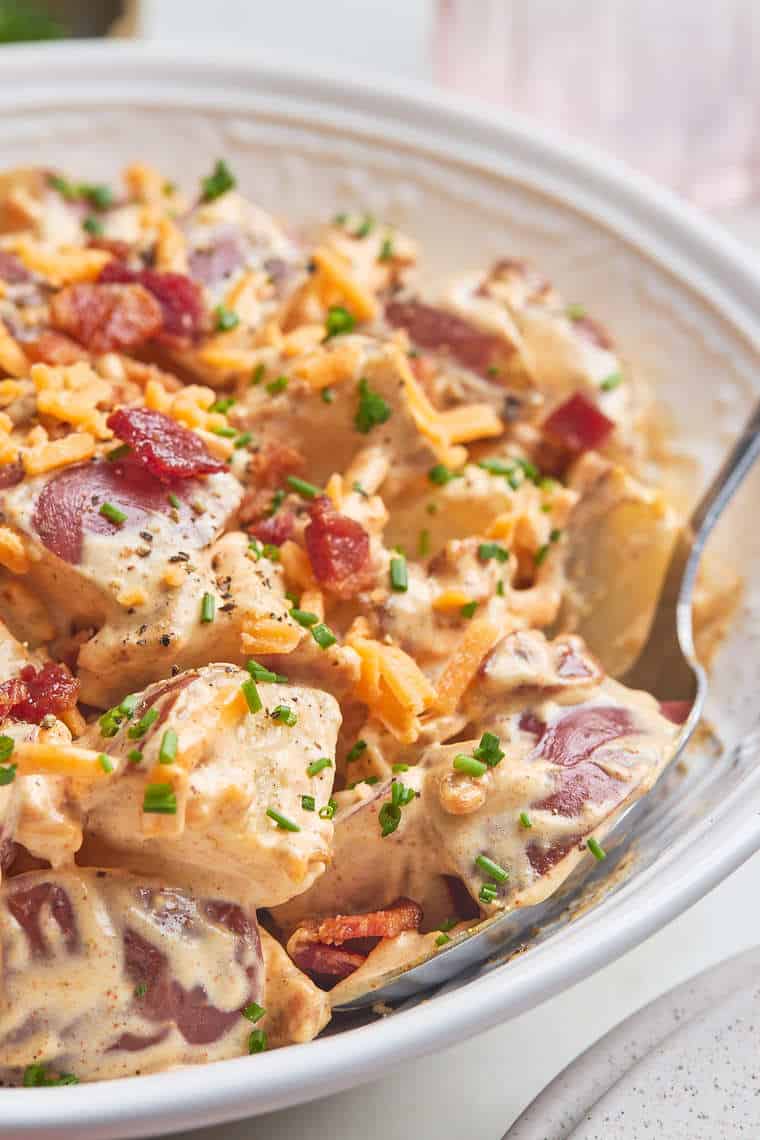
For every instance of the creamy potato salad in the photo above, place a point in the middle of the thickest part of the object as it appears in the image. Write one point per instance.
(313, 591)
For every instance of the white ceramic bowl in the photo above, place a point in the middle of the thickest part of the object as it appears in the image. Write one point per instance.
(471, 185)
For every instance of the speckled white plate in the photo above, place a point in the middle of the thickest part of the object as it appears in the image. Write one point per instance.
(684, 1067)
(684, 303)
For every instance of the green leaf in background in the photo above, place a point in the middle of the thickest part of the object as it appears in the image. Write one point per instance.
(22, 22)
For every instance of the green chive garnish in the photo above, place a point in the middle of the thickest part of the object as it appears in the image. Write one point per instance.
(338, 321)
(243, 440)
(308, 803)
(218, 182)
(251, 694)
(541, 554)
(596, 849)
(134, 756)
(105, 763)
(284, 715)
(225, 319)
(487, 893)
(399, 574)
(423, 543)
(366, 227)
(355, 752)
(611, 382)
(259, 673)
(399, 767)
(386, 250)
(329, 810)
(442, 939)
(389, 817)
(208, 609)
(277, 385)
(489, 550)
(112, 513)
(222, 405)
(37, 1076)
(7, 774)
(493, 869)
(93, 226)
(137, 731)
(253, 1011)
(117, 453)
(323, 635)
(470, 765)
(308, 490)
(225, 431)
(468, 609)
(489, 750)
(257, 1042)
(575, 312)
(525, 820)
(304, 617)
(141, 990)
(282, 821)
(167, 753)
(174, 501)
(328, 396)
(7, 744)
(373, 410)
(441, 475)
(258, 374)
(318, 766)
(159, 799)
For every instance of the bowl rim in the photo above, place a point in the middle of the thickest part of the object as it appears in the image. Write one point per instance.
(680, 241)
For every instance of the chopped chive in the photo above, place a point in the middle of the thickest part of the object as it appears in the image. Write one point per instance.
(488, 893)
(369, 780)
(399, 574)
(470, 765)
(319, 765)
(225, 431)
(174, 501)
(468, 609)
(329, 810)
(260, 673)
(225, 319)
(496, 466)
(356, 486)
(500, 587)
(270, 551)
(541, 554)
(253, 1011)
(493, 370)
(489, 550)
(129, 703)
(448, 924)
(308, 490)
(355, 752)
(222, 405)
(338, 321)
(105, 763)
(218, 182)
(386, 250)
(491, 868)
(389, 817)
(117, 453)
(282, 821)
(555, 535)
(340, 219)
(596, 849)
(243, 439)
(373, 410)
(258, 374)
(208, 609)
(284, 715)
(141, 990)
(159, 799)
(7, 774)
(611, 382)
(112, 513)
(423, 543)
(304, 617)
(400, 766)
(167, 753)
(276, 503)
(100, 195)
(137, 731)
(489, 750)
(442, 939)
(575, 312)
(366, 227)
(257, 1042)
(525, 820)
(327, 395)
(7, 744)
(279, 384)
(134, 756)
(251, 694)
(308, 803)
(93, 225)
(323, 635)
(37, 1076)
(441, 475)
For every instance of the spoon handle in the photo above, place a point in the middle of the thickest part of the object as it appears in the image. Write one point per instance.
(731, 473)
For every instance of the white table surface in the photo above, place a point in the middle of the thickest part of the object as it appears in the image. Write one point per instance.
(474, 1088)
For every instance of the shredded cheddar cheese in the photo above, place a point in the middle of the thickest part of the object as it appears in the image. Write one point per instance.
(58, 453)
(392, 685)
(478, 639)
(13, 359)
(13, 554)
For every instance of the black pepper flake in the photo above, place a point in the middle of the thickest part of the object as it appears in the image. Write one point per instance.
(146, 536)
(180, 556)
(166, 639)
(228, 608)
(143, 552)
(174, 670)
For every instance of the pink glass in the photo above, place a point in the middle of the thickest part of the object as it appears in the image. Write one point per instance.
(672, 86)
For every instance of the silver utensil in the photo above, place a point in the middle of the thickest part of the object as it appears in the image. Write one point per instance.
(667, 667)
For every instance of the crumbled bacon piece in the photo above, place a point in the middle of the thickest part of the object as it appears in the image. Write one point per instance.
(37, 692)
(578, 424)
(442, 331)
(106, 317)
(11, 473)
(338, 549)
(54, 348)
(162, 446)
(178, 296)
(318, 946)
(274, 530)
(270, 465)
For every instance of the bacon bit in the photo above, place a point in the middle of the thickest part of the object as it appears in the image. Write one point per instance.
(13, 271)
(272, 463)
(178, 295)
(38, 692)
(162, 446)
(275, 530)
(578, 424)
(317, 946)
(338, 549)
(11, 474)
(106, 317)
(54, 348)
(439, 330)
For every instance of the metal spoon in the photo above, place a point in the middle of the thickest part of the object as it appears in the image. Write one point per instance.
(667, 667)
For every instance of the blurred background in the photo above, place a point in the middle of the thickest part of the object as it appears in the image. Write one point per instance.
(673, 88)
